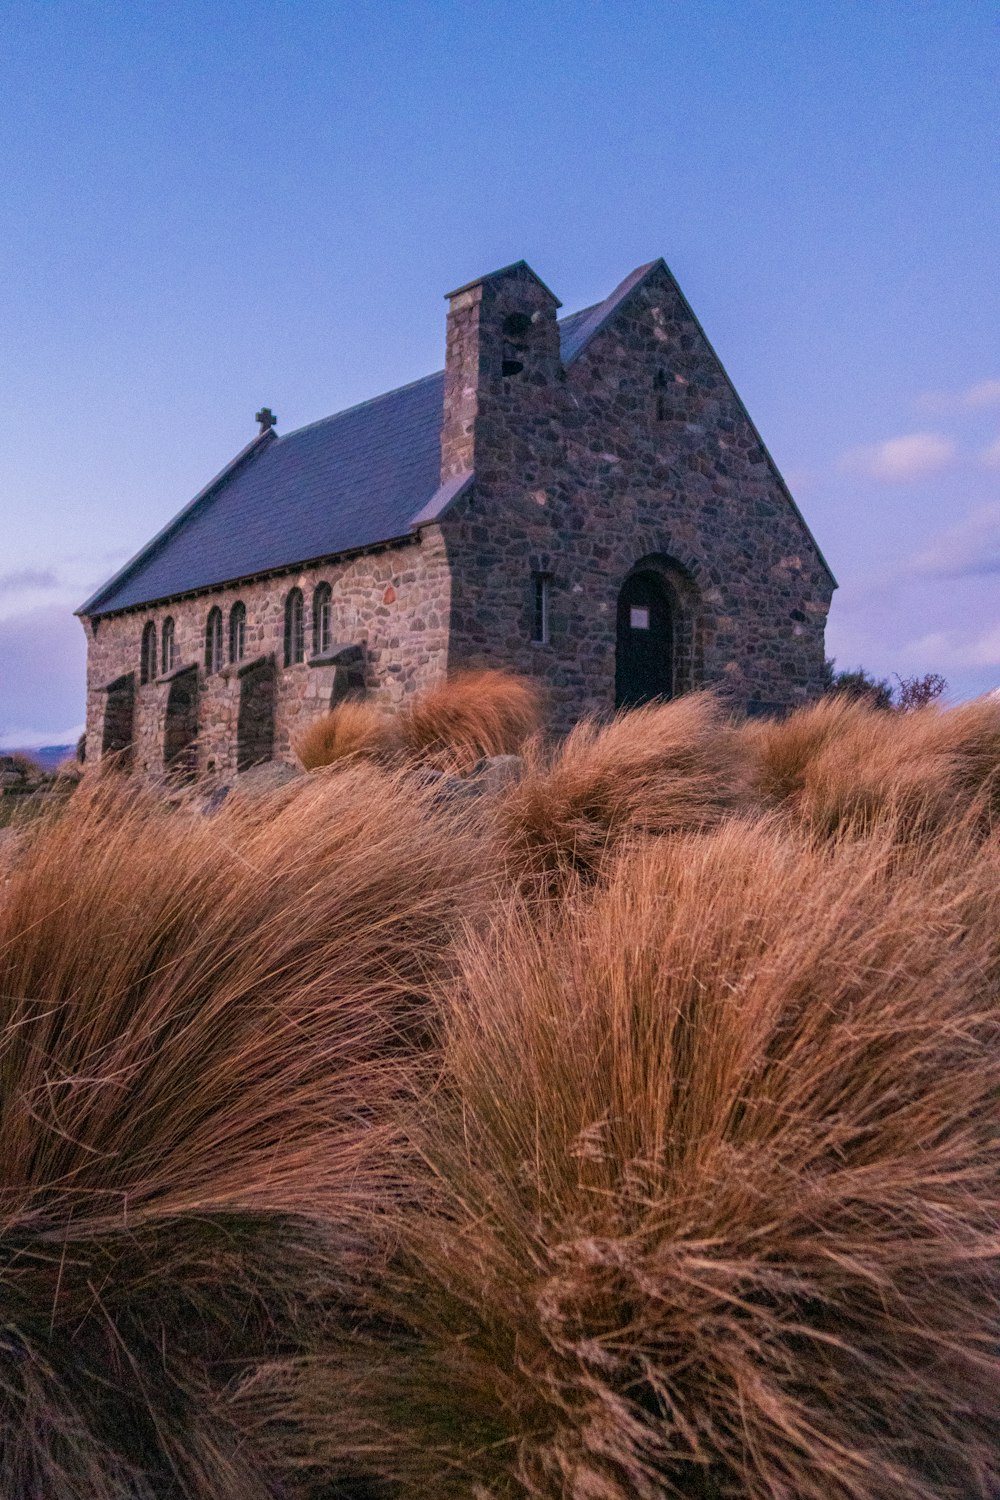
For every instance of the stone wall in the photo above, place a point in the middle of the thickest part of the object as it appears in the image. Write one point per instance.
(640, 450)
(394, 602)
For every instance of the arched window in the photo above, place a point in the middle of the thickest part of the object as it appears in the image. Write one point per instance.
(147, 656)
(237, 631)
(168, 652)
(322, 619)
(295, 628)
(213, 640)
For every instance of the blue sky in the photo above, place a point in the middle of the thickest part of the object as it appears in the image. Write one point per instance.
(207, 207)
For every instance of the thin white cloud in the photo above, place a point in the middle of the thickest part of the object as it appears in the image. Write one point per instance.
(897, 460)
(36, 739)
(990, 456)
(970, 548)
(42, 675)
(979, 396)
(801, 479)
(24, 579)
(956, 651)
(984, 393)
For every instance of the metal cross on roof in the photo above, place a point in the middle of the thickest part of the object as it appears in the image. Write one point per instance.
(266, 418)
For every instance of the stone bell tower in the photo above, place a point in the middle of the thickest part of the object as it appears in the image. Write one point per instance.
(502, 348)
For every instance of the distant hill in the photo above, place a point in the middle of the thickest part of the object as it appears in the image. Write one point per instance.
(47, 756)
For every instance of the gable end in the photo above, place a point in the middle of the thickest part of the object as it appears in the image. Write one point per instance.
(602, 319)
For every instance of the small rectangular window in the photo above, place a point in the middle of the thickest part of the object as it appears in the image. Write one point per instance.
(540, 608)
(639, 617)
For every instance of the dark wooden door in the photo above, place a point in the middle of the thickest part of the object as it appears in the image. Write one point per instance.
(255, 724)
(180, 733)
(119, 720)
(644, 662)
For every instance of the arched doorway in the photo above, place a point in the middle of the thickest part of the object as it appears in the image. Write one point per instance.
(644, 659)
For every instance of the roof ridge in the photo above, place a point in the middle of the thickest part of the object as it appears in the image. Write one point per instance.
(360, 405)
(421, 379)
(580, 312)
(603, 310)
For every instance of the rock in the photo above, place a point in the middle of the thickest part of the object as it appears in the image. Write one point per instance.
(215, 799)
(267, 777)
(495, 773)
(259, 781)
(489, 777)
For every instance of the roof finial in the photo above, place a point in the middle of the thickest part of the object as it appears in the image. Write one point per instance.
(266, 418)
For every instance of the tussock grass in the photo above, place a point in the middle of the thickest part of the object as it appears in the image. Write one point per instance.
(470, 715)
(448, 727)
(654, 771)
(781, 751)
(201, 1022)
(841, 764)
(339, 1166)
(710, 1193)
(353, 728)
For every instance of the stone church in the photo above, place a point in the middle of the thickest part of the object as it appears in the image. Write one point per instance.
(583, 499)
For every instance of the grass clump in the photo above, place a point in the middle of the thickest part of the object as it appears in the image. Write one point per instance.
(843, 764)
(338, 1166)
(470, 715)
(654, 771)
(448, 727)
(353, 728)
(202, 1021)
(710, 1187)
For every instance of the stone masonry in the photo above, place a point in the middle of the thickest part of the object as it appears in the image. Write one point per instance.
(639, 453)
(396, 601)
(634, 454)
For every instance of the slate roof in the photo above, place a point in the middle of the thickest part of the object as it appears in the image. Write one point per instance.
(576, 331)
(364, 476)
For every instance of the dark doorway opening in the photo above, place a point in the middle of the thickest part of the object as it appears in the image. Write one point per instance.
(349, 680)
(181, 729)
(119, 721)
(644, 661)
(255, 722)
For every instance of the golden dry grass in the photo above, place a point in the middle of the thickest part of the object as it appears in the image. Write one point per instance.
(654, 771)
(200, 1021)
(841, 763)
(470, 715)
(711, 1194)
(353, 728)
(337, 1166)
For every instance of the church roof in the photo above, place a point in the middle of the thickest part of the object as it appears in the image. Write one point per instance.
(365, 476)
(346, 482)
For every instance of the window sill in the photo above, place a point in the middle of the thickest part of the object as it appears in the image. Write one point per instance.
(338, 656)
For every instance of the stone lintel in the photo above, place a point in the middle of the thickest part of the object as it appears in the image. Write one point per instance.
(257, 662)
(338, 656)
(191, 666)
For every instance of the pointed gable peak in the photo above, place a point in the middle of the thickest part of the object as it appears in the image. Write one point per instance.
(517, 269)
(636, 278)
(581, 327)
